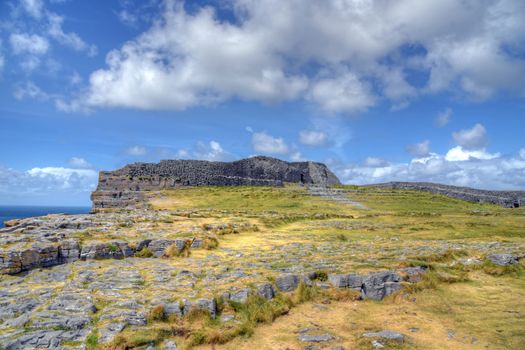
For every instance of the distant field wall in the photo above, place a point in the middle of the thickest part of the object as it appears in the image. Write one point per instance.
(507, 199)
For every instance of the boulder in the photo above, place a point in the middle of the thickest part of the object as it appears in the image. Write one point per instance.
(29, 259)
(69, 251)
(209, 305)
(315, 338)
(346, 281)
(124, 247)
(378, 285)
(109, 331)
(265, 290)
(10, 262)
(158, 246)
(47, 255)
(142, 244)
(173, 309)
(502, 259)
(97, 250)
(169, 345)
(386, 335)
(240, 296)
(197, 243)
(287, 283)
(129, 317)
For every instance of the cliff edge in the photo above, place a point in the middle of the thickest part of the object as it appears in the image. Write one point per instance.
(124, 187)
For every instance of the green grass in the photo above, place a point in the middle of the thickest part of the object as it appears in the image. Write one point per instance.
(249, 199)
(399, 228)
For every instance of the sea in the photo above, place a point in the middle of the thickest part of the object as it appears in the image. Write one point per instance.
(20, 212)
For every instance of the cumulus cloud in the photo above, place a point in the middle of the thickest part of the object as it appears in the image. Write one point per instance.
(421, 149)
(136, 151)
(496, 172)
(46, 184)
(344, 56)
(459, 153)
(474, 138)
(344, 93)
(28, 43)
(443, 118)
(313, 137)
(79, 163)
(210, 151)
(267, 144)
(375, 162)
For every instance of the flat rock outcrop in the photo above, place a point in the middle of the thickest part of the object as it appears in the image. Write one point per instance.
(124, 187)
(507, 199)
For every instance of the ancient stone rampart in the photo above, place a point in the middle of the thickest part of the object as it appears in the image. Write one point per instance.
(507, 199)
(124, 187)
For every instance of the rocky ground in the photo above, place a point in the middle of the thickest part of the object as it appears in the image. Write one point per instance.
(86, 281)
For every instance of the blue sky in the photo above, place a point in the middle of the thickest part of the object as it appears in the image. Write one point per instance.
(380, 91)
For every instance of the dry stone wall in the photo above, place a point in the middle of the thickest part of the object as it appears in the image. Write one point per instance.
(507, 199)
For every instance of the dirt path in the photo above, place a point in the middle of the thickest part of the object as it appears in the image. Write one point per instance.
(334, 194)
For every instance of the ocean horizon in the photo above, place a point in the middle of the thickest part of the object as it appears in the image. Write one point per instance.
(9, 212)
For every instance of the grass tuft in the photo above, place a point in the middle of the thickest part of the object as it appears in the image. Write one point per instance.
(515, 270)
(156, 314)
(144, 253)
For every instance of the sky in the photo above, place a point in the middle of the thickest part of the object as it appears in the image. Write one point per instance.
(378, 90)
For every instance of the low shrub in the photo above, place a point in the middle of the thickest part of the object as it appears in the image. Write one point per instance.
(156, 314)
(211, 243)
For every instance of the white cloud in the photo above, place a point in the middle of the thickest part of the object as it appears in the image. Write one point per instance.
(127, 17)
(34, 8)
(522, 153)
(70, 39)
(313, 137)
(342, 93)
(267, 144)
(2, 59)
(474, 138)
(47, 185)
(491, 172)
(182, 154)
(421, 149)
(375, 162)
(458, 153)
(28, 43)
(443, 118)
(75, 78)
(345, 56)
(211, 151)
(136, 151)
(79, 163)
(296, 156)
(30, 90)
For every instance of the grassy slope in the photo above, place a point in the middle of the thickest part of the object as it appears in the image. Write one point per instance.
(483, 312)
